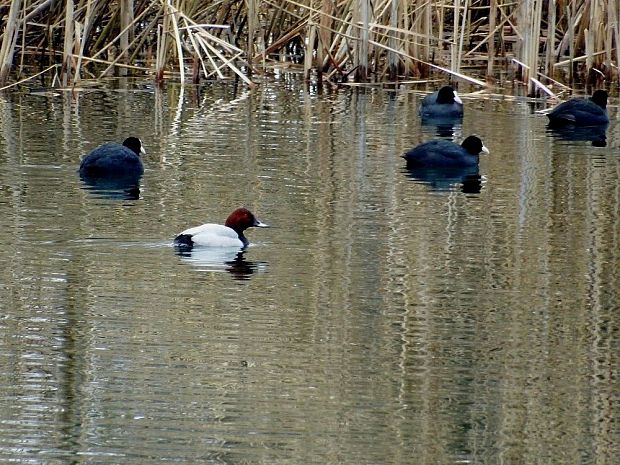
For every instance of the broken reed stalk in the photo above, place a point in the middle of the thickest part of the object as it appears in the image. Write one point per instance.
(9, 41)
(361, 38)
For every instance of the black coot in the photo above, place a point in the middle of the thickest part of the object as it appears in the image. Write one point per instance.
(444, 103)
(581, 112)
(113, 159)
(444, 153)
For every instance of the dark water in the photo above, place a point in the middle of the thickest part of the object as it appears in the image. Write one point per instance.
(387, 317)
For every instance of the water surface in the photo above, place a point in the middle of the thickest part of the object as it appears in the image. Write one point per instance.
(388, 316)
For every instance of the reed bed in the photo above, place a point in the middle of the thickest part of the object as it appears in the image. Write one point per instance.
(539, 42)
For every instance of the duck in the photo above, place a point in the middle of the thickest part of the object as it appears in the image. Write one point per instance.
(114, 159)
(441, 153)
(230, 234)
(590, 111)
(444, 103)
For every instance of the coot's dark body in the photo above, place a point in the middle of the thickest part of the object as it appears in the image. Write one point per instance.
(581, 112)
(113, 159)
(444, 103)
(444, 153)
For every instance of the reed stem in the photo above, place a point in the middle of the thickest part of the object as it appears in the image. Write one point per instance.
(344, 39)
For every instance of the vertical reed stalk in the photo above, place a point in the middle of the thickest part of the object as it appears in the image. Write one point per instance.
(160, 61)
(392, 56)
(459, 56)
(441, 20)
(251, 15)
(530, 17)
(405, 24)
(614, 23)
(308, 53)
(414, 47)
(67, 60)
(491, 42)
(126, 19)
(345, 36)
(589, 43)
(177, 36)
(90, 6)
(454, 66)
(609, 40)
(325, 35)
(23, 44)
(428, 30)
(535, 45)
(571, 40)
(361, 58)
(9, 40)
(550, 45)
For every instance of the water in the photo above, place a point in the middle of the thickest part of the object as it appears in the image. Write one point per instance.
(382, 319)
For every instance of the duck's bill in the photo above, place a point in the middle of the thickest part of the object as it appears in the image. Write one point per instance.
(260, 224)
(457, 99)
(485, 150)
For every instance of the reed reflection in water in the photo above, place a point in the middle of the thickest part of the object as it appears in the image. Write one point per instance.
(383, 318)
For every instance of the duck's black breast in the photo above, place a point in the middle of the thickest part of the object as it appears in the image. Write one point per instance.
(184, 240)
(111, 159)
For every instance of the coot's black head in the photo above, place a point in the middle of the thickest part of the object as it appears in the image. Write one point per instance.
(474, 145)
(600, 98)
(135, 145)
(446, 95)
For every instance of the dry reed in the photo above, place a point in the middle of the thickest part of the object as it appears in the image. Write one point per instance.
(539, 42)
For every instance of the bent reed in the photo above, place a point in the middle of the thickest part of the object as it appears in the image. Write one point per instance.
(557, 42)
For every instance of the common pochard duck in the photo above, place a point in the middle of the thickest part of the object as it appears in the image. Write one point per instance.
(230, 234)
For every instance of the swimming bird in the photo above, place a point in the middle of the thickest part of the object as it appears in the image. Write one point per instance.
(444, 103)
(442, 153)
(113, 159)
(581, 111)
(230, 234)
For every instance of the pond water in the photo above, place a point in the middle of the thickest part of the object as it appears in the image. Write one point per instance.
(385, 317)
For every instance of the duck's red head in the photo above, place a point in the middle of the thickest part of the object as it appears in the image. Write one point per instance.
(242, 219)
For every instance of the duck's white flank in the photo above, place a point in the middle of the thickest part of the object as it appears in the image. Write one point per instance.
(214, 235)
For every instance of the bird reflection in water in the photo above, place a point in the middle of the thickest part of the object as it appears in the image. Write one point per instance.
(597, 135)
(441, 126)
(231, 260)
(468, 179)
(113, 188)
